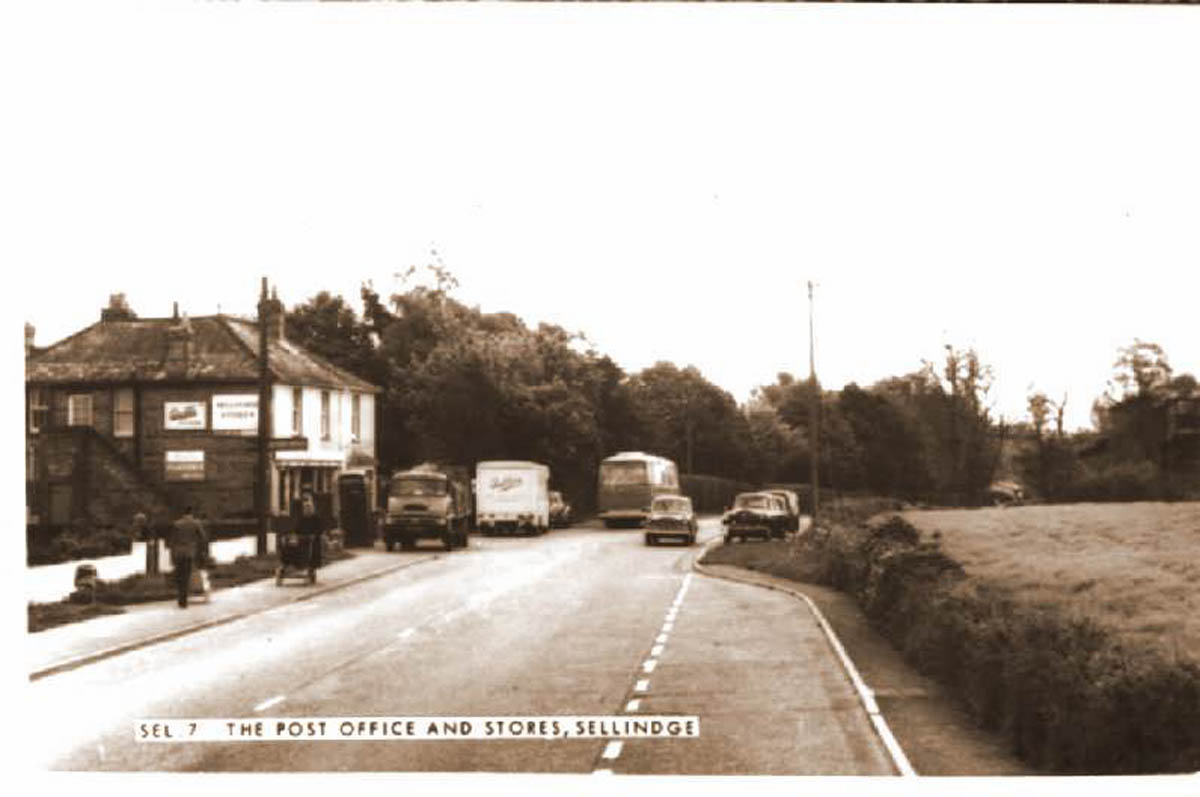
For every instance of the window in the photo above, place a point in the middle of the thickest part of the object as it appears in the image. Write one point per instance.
(297, 411)
(123, 412)
(355, 417)
(324, 414)
(38, 410)
(79, 410)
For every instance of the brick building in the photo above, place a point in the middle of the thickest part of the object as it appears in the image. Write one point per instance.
(154, 414)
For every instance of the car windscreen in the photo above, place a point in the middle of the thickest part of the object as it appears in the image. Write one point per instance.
(417, 485)
(670, 505)
(753, 502)
(617, 474)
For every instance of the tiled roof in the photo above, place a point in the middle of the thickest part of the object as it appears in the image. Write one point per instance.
(223, 349)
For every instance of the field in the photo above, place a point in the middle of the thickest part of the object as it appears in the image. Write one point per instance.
(1133, 568)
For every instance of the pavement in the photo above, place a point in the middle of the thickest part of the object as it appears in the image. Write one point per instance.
(69, 646)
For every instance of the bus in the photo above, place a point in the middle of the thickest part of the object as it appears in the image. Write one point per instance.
(628, 483)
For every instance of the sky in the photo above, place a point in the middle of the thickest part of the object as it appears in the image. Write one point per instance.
(664, 179)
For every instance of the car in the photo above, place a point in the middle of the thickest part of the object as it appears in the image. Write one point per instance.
(671, 516)
(560, 511)
(759, 514)
(791, 503)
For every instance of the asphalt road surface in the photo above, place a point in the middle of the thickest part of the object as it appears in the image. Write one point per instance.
(582, 621)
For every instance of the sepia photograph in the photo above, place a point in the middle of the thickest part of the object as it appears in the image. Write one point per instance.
(534, 397)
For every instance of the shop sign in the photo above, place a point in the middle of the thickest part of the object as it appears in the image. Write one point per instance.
(185, 466)
(183, 415)
(235, 413)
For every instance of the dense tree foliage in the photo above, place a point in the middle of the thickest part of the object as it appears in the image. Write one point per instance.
(460, 385)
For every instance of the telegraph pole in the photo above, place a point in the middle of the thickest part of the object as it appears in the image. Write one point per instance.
(262, 478)
(813, 411)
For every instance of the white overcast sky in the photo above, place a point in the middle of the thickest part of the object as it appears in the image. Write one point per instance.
(665, 179)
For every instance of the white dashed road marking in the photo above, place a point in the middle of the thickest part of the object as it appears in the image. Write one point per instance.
(266, 704)
(656, 650)
(633, 705)
(642, 686)
(613, 750)
(649, 665)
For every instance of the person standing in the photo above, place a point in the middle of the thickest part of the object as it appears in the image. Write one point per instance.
(309, 525)
(187, 543)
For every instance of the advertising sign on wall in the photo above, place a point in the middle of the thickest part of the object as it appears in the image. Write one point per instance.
(185, 466)
(183, 415)
(235, 413)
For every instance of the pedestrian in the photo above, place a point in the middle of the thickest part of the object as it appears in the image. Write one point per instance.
(187, 543)
(309, 525)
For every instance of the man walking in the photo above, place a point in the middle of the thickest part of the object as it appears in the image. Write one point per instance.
(187, 542)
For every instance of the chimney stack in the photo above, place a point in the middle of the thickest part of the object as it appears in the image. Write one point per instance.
(118, 309)
(271, 313)
(30, 331)
(179, 346)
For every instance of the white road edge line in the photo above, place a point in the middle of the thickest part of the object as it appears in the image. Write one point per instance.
(633, 705)
(266, 704)
(865, 696)
(613, 750)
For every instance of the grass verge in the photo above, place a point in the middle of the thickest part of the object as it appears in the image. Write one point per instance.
(109, 596)
(1063, 689)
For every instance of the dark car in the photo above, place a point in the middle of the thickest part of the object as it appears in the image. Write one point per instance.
(791, 503)
(760, 515)
(671, 516)
(560, 511)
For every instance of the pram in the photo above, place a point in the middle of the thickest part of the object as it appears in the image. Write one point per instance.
(297, 557)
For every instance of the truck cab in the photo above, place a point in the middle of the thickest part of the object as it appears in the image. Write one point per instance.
(426, 504)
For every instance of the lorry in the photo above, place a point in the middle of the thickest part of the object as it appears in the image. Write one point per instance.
(512, 497)
(429, 501)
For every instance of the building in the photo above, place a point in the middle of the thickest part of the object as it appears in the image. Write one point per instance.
(155, 414)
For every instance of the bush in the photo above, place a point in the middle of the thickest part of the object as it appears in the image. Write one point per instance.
(75, 544)
(1116, 481)
(1068, 697)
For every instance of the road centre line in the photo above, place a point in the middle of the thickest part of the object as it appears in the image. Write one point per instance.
(266, 704)
(649, 665)
(668, 626)
(633, 705)
(613, 749)
(642, 685)
(602, 772)
(406, 633)
(656, 651)
(662, 638)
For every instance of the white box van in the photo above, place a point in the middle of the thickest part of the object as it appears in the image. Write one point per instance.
(512, 497)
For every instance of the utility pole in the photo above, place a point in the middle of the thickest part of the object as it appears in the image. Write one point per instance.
(813, 411)
(262, 474)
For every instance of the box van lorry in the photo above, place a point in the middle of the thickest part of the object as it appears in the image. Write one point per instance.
(512, 497)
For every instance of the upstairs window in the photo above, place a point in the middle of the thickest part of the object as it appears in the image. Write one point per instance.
(123, 412)
(79, 409)
(297, 411)
(324, 414)
(355, 417)
(39, 410)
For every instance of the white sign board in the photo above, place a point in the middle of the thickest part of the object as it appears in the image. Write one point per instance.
(235, 413)
(185, 466)
(183, 415)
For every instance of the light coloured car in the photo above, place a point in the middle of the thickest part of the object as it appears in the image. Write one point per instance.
(671, 516)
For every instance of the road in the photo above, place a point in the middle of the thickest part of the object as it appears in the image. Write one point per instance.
(582, 621)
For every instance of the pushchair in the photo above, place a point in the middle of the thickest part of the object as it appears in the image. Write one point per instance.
(298, 556)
